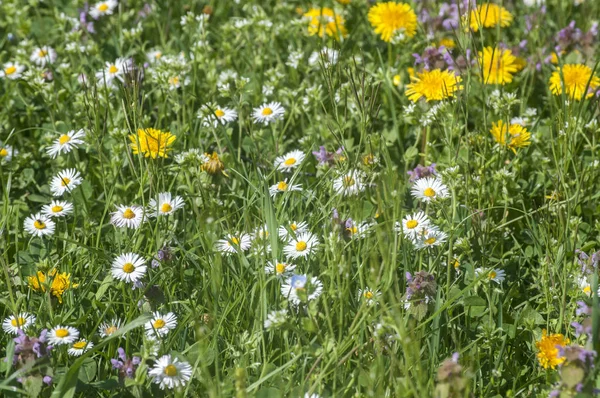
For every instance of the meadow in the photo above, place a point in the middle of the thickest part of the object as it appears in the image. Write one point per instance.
(284, 198)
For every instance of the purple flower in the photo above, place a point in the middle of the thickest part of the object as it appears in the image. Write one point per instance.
(126, 366)
(325, 157)
(422, 172)
(30, 348)
(47, 380)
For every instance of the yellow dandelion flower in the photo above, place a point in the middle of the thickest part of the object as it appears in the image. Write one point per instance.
(510, 136)
(325, 22)
(61, 282)
(448, 43)
(489, 15)
(392, 19)
(498, 66)
(578, 79)
(152, 142)
(548, 349)
(433, 85)
(212, 164)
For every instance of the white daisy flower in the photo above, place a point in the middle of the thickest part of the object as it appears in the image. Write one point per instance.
(289, 161)
(429, 238)
(160, 325)
(7, 152)
(63, 335)
(43, 56)
(114, 70)
(429, 188)
(268, 113)
(12, 70)
(297, 289)
(128, 267)
(303, 245)
(176, 81)
(329, 57)
(166, 205)
(275, 319)
(292, 229)
(494, 275)
(39, 225)
(22, 321)
(170, 372)
(283, 186)
(413, 223)
(586, 286)
(79, 347)
(358, 230)
(66, 143)
(215, 116)
(57, 208)
(234, 243)
(127, 216)
(368, 295)
(106, 329)
(350, 183)
(279, 269)
(65, 181)
(103, 8)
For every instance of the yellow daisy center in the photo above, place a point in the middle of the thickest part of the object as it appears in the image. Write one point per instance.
(80, 345)
(290, 161)
(492, 275)
(587, 290)
(38, 224)
(352, 230)
(235, 241)
(280, 268)
(103, 7)
(348, 181)
(267, 111)
(17, 322)
(282, 186)
(42, 53)
(110, 330)
(429, 192)
(368, 295)
(3, 153)
(219, 113)
(166, 207)
(301, 246)
(171, 371)
(65, 181)
(430, 241)
(113, 69)
(174, 80)
(64, 139)
(128, 214)
(159, 324)
(128, 268)
(412, 224)
(293, 227)
(57, 209)
(61, 333)
(10, 70)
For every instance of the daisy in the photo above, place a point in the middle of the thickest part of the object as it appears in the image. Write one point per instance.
(368, 295)
(325, 22)
(114, 70)
(279, 269)
(215, 116)
(79, 347)
(289, 161)
(128, 267)
(22, 321)
(152, 143)
(297, 289)
(349, 184)
(329, 56)
(303, 245)
(268, 113)
(428, 189)
(430, 238)
(275, 319)
(7, 152)
(357, 230)
(106, 329)
(494, 275)
(234, 243)
(433, 85)
(171, 372)
(392, 20)
(166, 205)
(127, 216)
(413, 223)
(63, 335)
(283, 186)
(577, 79)
(12, 70)
(160, 324)
(510, 136)
(43, 55)
(65, 143)
(39, 225)
(292, 229)
(497, 65)
(489, 15)
(57, 208)
(154, 56)
(103, 8)
(66, 180)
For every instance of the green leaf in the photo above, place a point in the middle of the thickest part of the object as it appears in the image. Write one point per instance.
(106, 283)
(268, 392)
(88, 370)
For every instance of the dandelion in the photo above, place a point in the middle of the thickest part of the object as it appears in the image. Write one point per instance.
(22, 321)
(60, 335)
(65, 143)
(391, 20)
(165, 205)
(107, 329)
(43, 55)
(61, 282)
(276, 319)
(65, 181)
(289, 161)
(548, 349)
(268, 113)
(79, 347)
(160, 324)
(57, 208)
(170, 372)
(127, 216)
(298, 289)
(234, 243)
(349, 184)
(39, 225)
(497, 65)
(292, 229)
(303, 245)
(429, 189)
(433, 85)
(325, 22)
(212, 164)
(279, 269)
(152, 142)
(511, 136)
(283, 186)
(103, 8)
(489, 15)
(12, 70)
(578, 79)
(128, 267)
